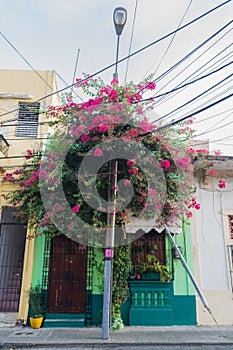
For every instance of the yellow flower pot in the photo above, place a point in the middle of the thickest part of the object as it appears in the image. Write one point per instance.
(36, 322)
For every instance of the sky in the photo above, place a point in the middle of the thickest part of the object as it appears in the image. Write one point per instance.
(50, 33)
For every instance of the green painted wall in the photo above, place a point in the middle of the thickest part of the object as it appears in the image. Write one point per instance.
(38, 260)
(182, 283)
(98, 271)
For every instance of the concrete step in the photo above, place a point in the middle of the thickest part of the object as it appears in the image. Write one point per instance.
(64, 320)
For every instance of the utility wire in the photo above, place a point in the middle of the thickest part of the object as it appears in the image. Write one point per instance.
(134, 53)
(165, 99)
(75, 70)
(187, 56)
(187, 84)
(66, 84)
(25, 60)
(214, 129)
(29, 64)
(172, 39)
(211, 99)
(147, 99)
(177, 121)
(194, 98)
(213, 116)
(131, 40)
(198, 70)
(218, 123)
(198, 47)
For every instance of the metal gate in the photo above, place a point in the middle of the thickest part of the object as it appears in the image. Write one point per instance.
(12, 243)
(150, 243)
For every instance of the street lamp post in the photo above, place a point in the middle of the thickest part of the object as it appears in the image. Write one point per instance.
(119, 19)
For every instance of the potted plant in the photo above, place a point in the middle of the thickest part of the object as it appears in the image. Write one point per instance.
(152, 269)
(36, 309)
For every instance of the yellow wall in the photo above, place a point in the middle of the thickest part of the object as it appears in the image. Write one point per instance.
(15, 85)
(19, 83)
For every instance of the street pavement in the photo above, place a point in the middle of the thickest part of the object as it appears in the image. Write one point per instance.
(146, 338)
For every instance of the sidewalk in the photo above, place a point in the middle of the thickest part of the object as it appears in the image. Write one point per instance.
(26, 337)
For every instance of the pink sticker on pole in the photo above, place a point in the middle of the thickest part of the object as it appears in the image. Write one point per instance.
(109, 253)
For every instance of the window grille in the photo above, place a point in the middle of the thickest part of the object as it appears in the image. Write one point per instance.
(230, 257)
(88, 305)
(28, 120)
(230, 218)
(12, 242)
(150, 243)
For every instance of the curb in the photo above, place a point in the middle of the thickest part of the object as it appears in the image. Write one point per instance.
(109, 345)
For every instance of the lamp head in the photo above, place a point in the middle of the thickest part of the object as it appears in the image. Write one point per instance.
(119, 19)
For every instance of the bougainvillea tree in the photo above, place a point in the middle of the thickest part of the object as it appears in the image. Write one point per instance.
(154, 167)
(68, 188)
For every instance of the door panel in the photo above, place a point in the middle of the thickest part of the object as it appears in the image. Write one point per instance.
(67, 276)
(12, 243)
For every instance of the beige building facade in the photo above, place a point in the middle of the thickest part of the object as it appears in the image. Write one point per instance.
(25, 96)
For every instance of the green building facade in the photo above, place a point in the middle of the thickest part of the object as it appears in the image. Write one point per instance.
(73, 295)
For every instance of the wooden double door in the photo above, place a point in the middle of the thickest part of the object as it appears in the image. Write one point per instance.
(67, 277)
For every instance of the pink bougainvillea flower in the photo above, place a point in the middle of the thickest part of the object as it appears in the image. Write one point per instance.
(76, 208)
(189, 214)
(153, 192)
(30, 181)
(191, 150)
(8, 177)
(212, 172)
(183, 162)
(150, 85)
(103, 128)
(197, 206)
(17, 172)
(203, 151)
(222, 184)
(133, 171)
(145, 126)
(218, 152)
(85, 138)
(133, 133)
(75, 130)
(165, 164)
(70, 226)
(114, 81)
(28, 154)
(113, 95)
(131, 162)
(126, 182)
(98, 152)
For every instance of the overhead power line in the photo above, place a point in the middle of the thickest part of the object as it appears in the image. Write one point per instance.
(187, 84)
(199, 69)
(172, 39)
(211, 117)
(177, 121)
(131, 40)
(194, 98)
(25, 60)
(146, 99)
(188, 55)
(132, 54)
(173, 123)
(216, 96)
